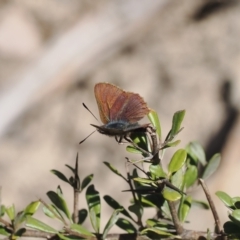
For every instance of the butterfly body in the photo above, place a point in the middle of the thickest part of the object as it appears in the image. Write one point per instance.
(119, 111)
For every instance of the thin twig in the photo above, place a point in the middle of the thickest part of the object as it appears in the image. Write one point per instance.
(176, 222)
(212, 206)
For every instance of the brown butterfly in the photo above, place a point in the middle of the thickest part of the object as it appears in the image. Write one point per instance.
(119, 111)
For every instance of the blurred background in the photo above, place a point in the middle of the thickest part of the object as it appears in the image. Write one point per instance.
(175, 54)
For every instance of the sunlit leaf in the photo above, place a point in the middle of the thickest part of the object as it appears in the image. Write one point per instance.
(177, 161)
(176, 122)
(153, 117)
(80, 229)
(190, 175)
(170, 194)
(59, 202)
(111, 222)
(36, 224)
(94, 206)
(225, 198)
(184, 208)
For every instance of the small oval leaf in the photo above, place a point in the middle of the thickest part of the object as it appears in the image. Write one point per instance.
(190, 176)
(196, 152)
(86, 181)
(154, 119)
(177, 161)
(170, 194)
(212, 166)
(157, 171)
(60, 175)
(184, 208)
(126, 225)
(225, 198)
(176, 123)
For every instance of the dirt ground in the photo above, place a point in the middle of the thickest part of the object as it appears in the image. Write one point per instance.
(176, 54)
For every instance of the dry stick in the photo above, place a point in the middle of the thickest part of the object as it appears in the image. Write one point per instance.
(177, 223)
(212, 206)
(76, 188)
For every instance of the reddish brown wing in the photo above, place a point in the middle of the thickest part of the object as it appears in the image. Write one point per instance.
(129, 107)
(106, 95)
(115, 104)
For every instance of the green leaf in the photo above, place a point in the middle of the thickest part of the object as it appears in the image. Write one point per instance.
(137, 209)
(71, 168)
(177, 161)
(32, 207)
(140, 139)
(152, 200)
(132, 149)
(157, 171)
(236, 214)
(212, 166)
(86, 181)
(126, 225)
(170, 194)
(165, 209)
(113, 169)
(143, 180)
(177, 179)
(157, 231)
(94, 206)
(80, 229)
(176, 123)
(201, 204)
(20, 232)
(115, 205)
(10, 211)
(236, 202)
(184, 208)
(36, 224)
(59, 175)
(2, 210)
(231, 228)
(59, 202)
(82, 215)
(196, 152)
(235, 217)
(52, 212)
(111, 222)
(3, 231)
(190, 176)
(171, 144)
(225, 198)
(153, 117)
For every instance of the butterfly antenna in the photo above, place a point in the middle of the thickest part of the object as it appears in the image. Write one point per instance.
(87, 137)
(90, 112)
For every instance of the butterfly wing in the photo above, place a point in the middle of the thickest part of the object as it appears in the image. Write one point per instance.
(129, 107)
(114, 104)
(106, 95)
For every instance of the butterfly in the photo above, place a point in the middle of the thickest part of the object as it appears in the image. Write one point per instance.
(119, 111)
